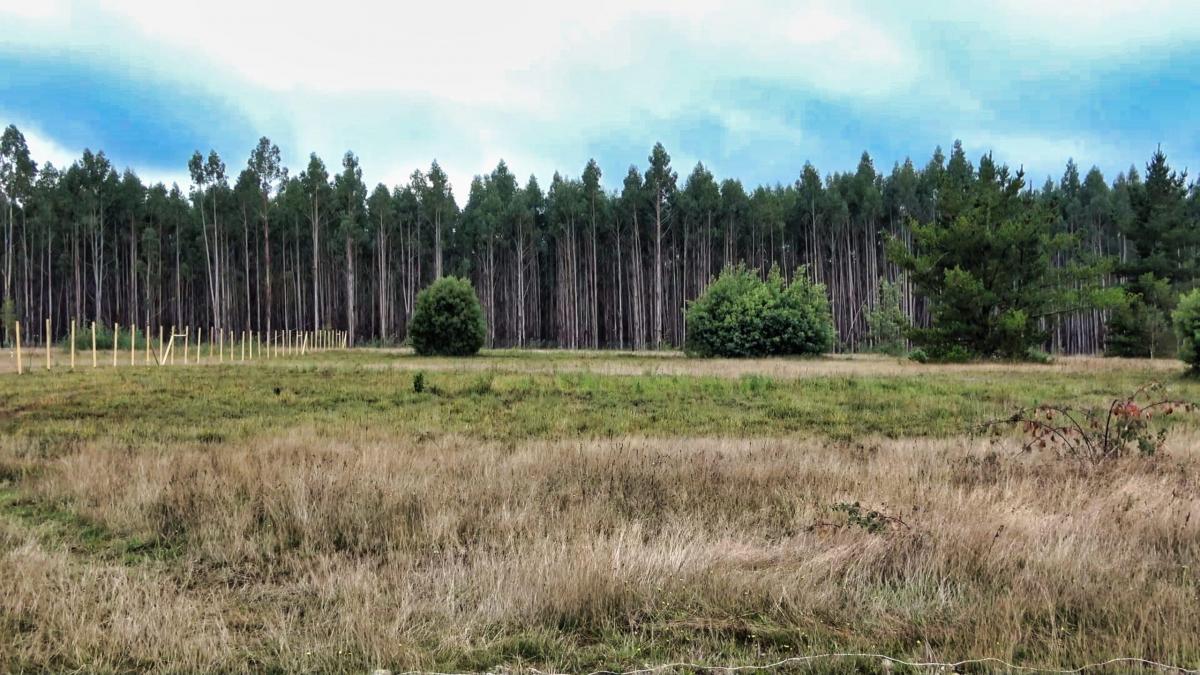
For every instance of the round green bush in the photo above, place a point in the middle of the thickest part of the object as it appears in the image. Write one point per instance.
(740, 315)
(1187, 328)
(447, 319)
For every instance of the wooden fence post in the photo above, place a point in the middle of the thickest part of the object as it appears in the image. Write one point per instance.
(162, 346)
(116, 335)
(17, 325)
(72, 344)
(186, 336)
(199, 341)
(93, 344)
(170, 351)
(47, 344)
(133, 344)
(147, 350)
(221, 354)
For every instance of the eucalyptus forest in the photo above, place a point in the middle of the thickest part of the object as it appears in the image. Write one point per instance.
(567, 261)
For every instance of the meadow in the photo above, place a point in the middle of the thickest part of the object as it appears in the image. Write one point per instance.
(583, 511)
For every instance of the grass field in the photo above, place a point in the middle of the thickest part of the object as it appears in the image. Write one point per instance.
(576, 511)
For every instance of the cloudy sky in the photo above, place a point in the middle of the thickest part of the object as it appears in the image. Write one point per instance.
(751, 88)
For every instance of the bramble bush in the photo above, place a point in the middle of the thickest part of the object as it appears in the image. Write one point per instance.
(740, 315)
(1098, 434)
(1187, 328)
(448, 319)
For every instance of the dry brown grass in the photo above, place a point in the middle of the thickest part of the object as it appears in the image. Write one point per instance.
(832, 365)
(612, 362)
(302, 553)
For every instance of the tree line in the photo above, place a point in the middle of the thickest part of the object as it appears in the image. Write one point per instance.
(569, 263)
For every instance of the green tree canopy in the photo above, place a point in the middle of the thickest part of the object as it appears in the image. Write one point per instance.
(988, 271)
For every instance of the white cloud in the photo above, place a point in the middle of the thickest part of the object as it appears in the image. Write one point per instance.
(1087, 27)
(32, 9)
(520, 56)
(534, 82)
(1043, 155)
(43, 148)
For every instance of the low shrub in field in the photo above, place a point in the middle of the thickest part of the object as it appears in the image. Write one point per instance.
(104, 337)
(941, 354)
(448, 320)
(1097, 434)
(1187, 328)
(741, 315)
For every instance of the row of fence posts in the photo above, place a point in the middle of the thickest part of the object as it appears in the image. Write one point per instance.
(278, 343)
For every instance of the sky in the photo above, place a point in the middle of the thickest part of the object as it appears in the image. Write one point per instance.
(753, 89)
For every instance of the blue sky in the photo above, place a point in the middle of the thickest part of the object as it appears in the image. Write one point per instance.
(753, 89)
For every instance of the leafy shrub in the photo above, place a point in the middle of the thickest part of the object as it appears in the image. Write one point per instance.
(740, 315)
(946, 353)
(887, 322)
(919, 356)
(104, 338)
(1187, 328)
(448, 320)
(1035, 355)
(1139, 326)
(419, 382)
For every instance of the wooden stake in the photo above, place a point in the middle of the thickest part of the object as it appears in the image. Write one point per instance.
(185, 344)
(222, 349)
(162, 346)
(47, 344)
(17, 325)
(93, 344)
(133, 344)
(199, 341)
(243, 345)
(147, 350)
(72, 344)
(172, 342)
(116, 335)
